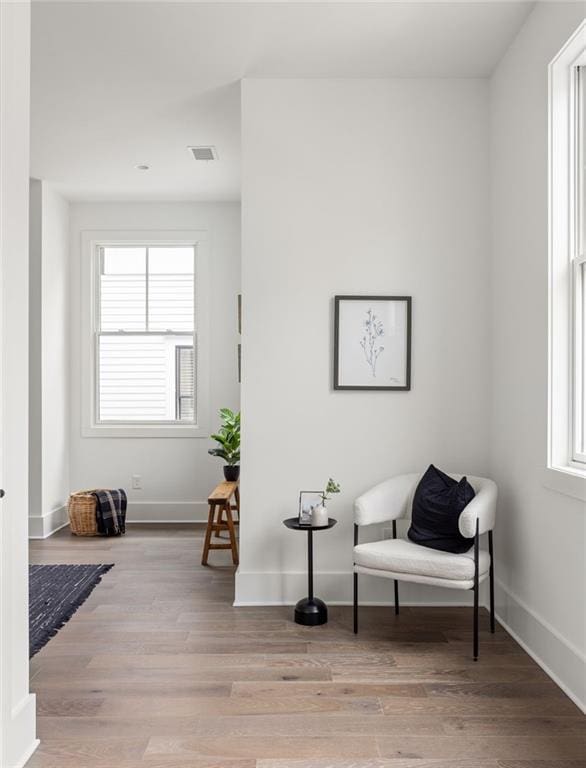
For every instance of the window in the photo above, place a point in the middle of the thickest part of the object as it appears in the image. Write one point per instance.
(567, 268)
(579, 276)
(145, 315)
(145, 321)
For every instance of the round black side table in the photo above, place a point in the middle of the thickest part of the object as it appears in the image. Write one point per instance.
(310, 611)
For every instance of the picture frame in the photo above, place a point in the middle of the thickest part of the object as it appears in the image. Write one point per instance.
(372, 343)
(308, 500)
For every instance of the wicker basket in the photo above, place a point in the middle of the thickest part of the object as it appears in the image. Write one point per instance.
(82, 514)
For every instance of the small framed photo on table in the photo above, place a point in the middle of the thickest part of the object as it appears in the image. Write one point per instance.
(307, 501)
(372, 342)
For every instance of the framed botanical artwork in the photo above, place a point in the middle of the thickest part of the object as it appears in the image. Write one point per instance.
(307, 501)
(372, 342)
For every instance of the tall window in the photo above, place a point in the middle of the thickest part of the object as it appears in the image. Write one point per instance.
(567, 268)
(146, 344)
(579, 274)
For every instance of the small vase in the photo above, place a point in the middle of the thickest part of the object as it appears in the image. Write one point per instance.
(319, 516)
(232, 472)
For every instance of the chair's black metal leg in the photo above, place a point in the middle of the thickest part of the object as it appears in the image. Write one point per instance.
(476, 545)
(396, 582)
(355, 586)
(491, 581)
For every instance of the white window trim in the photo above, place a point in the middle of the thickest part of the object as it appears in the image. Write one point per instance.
(562, 474)
(90, 242)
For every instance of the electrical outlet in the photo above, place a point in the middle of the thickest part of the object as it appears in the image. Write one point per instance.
(136, 482)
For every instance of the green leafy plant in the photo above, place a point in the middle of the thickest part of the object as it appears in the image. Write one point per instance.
(228, 438)
(332, 487)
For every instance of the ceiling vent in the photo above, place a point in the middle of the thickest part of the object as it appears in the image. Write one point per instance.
(204, 153)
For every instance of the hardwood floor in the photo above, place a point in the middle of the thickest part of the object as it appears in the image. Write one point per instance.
(158, 670)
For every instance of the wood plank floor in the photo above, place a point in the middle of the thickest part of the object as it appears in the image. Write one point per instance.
(158, 670)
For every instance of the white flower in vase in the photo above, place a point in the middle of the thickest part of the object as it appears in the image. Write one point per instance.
(319, 513)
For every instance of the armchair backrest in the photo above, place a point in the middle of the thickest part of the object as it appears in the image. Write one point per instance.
(389, 500)
(393, 500)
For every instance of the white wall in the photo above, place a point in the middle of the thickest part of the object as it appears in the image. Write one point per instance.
(35, 501)
(177, 473)
(541, 534)
(49, 360)
(357, 187)
(17, 705)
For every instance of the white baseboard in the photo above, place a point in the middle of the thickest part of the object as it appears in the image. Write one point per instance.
(365, 604)
(257, 589)
(21, 733)
(557, 656)
(167, 512)
(26, 756)
(43, 526)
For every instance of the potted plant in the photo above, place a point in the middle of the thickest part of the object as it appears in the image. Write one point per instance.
(319, 515)
(228, 437)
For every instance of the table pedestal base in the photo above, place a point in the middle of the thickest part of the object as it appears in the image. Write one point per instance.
(311, 611)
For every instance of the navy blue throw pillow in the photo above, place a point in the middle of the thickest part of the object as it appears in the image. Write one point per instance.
(437, 504)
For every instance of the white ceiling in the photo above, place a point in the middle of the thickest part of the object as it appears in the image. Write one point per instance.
(119, 84)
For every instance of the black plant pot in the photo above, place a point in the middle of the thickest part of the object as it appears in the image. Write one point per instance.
(232, 473)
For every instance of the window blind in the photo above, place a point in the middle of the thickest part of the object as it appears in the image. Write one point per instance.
(185, 386)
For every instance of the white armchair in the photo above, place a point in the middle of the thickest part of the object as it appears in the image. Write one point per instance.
(403, 560)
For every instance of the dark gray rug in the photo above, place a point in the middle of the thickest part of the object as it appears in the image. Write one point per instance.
(55, 594)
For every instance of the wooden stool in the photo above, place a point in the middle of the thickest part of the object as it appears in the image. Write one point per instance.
(220, 502)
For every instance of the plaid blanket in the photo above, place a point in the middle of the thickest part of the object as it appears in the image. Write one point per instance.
(111, 512)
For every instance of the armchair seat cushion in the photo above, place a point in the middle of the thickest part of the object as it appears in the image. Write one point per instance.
(401, 556)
